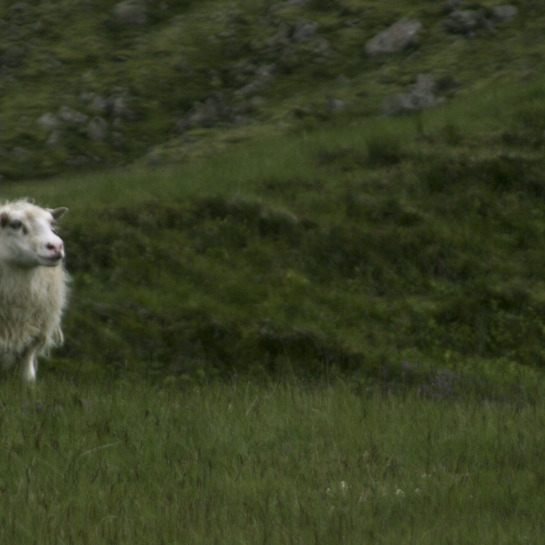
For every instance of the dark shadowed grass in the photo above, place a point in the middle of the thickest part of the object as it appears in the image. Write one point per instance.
(126, 462)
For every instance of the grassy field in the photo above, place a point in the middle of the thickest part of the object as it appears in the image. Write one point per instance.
(283, 462)
(286, 325)
(280, 238)
(357, 247)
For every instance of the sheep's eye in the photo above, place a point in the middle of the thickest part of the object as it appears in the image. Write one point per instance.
(17, 225)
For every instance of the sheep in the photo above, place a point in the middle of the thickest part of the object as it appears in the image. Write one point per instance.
(33, 285)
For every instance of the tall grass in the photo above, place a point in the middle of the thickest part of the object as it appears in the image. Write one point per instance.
(246, 463)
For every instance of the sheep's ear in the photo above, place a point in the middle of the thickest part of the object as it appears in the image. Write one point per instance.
(57, 213)
(3, 219)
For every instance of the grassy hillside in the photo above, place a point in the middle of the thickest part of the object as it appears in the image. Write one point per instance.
(195, 75)
(269, 218)
(381, 248)
(243, 214)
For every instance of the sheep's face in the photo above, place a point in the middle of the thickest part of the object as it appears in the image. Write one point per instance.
(27, 237)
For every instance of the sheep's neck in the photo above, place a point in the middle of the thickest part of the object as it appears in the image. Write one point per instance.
(17, 279)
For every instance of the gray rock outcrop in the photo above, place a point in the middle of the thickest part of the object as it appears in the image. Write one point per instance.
(466, 21)
(69, 116)
(206, 114)
(504, 13)
(66, 119)
(97, 129)
(420, 96)
(401, 35)
(131, 12)
(49, 122)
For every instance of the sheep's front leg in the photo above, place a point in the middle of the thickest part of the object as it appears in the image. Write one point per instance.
(29, 364)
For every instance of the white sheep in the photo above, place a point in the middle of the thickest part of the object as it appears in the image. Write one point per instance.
(32, 284)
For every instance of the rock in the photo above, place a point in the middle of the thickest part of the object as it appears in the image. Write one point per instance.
(303, 30)
(70, 116)
(131, 12)
(49, 122)
(250, 89)
(54, 138)
(343, 80)
(263, 77)
(321, 47)
(280, 40)
(208, 113)
(407, 103)
(290, 4)
(54, 123)
(97, 130)
(504, 13)
(335, 105)
(466, 21)
(99, 104)
(203, 114)
(94, 102)
(115, 105)
(120, 109)
(401, 35)
(283, 44)
(420, 96)
(425, 84)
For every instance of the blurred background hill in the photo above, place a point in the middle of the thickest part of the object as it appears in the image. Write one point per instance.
(97, 83)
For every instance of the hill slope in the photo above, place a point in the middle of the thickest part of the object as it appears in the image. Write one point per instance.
(87, 84)
(295, 228)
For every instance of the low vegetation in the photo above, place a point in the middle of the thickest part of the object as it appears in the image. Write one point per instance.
(279, 463)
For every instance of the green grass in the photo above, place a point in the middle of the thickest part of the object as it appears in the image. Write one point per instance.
(308, 327)
(244, 462)
(352, 247)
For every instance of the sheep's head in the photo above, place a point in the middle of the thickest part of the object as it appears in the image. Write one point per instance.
(27, 236)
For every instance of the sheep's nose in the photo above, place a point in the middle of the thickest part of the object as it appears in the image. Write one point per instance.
(55, 246)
